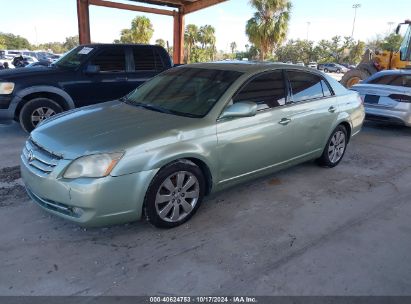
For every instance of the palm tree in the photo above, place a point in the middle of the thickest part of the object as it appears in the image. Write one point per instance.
(141, 31)
(161, 42)
(268, 28)
(207, 39)
(191, 36)
(233, 47)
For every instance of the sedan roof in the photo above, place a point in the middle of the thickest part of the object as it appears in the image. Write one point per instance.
(247, 66)
(394, 72)
(387, 73)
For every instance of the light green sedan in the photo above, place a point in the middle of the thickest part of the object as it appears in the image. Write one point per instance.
(190, 131)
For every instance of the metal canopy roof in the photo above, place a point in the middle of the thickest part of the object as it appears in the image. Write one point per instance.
(181, 8)
(171, 3)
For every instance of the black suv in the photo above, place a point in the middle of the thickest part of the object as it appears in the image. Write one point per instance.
(88, 74)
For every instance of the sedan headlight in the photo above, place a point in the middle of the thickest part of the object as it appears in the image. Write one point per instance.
(96, 165)
(6, 88)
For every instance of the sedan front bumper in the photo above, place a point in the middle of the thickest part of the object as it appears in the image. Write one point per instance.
(88, 201)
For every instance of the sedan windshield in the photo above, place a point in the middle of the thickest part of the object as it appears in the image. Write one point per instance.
(74, 58)
(184, 91)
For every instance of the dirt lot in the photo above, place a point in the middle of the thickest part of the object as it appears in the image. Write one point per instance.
(303, 231)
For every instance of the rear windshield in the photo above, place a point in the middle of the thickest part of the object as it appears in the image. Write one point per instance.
(184, 91)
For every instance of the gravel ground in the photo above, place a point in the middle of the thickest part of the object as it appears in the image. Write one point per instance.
(303, 231)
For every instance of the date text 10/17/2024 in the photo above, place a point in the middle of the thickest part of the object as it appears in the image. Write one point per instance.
(234, 299)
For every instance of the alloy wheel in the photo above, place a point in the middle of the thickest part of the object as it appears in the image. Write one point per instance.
(41, 114)
(177, 196)
(336, 147)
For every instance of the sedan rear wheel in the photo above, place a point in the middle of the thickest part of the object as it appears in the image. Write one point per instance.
(335, 148)
(174, 195)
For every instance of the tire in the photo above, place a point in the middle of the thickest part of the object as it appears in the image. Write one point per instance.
(353, 77)
(368, 67)
(36, 110)
(338, 71)
(333, 154)
(325, 70)
(167, 204)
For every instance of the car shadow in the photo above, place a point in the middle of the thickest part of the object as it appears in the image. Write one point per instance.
(386, 127)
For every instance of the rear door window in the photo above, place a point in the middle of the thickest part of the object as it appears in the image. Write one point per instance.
(326, 89)
(145, 59)
(267, 91)
(305, 86)
(110, 60)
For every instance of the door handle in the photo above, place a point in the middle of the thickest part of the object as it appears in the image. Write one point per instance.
(332, 109)
(284, 121)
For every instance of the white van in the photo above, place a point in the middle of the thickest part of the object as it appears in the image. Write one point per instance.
(10, 54)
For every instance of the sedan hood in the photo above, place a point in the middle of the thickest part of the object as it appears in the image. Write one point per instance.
(108, 127)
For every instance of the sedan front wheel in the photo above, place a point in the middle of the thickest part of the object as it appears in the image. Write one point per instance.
(175, 194)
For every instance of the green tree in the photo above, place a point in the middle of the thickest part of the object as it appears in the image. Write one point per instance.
(253, 52)
(356, 52)
(11, 41)
(199, 43)
(190, 37)
(268, 28)
(141, 31)
(55, 47)
(233, 47)
(71, 42)
(161, 42)
(391, 42)
(2, 43)
(208, 40)
(297, 50)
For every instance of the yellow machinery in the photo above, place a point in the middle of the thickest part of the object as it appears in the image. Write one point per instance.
(386, 60)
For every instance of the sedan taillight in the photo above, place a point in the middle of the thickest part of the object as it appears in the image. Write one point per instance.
(400, 97)
(361, 98)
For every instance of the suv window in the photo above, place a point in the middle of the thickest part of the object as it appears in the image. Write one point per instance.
(145, 60)
(305, 86)
(267, 90)
(110, 60)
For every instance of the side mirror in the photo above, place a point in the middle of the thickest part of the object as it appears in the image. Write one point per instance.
(240, 109)
(92, 69)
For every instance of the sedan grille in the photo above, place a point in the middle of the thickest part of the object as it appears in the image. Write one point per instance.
(39, 158)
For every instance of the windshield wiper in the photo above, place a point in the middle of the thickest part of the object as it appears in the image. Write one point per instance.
(152, 107)
(148, 106)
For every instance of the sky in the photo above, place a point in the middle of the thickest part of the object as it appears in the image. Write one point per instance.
(52, 20)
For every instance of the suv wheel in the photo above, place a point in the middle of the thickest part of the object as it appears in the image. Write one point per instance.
(335, 148)
(37, 110)
(174, 195)
(325, 70)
